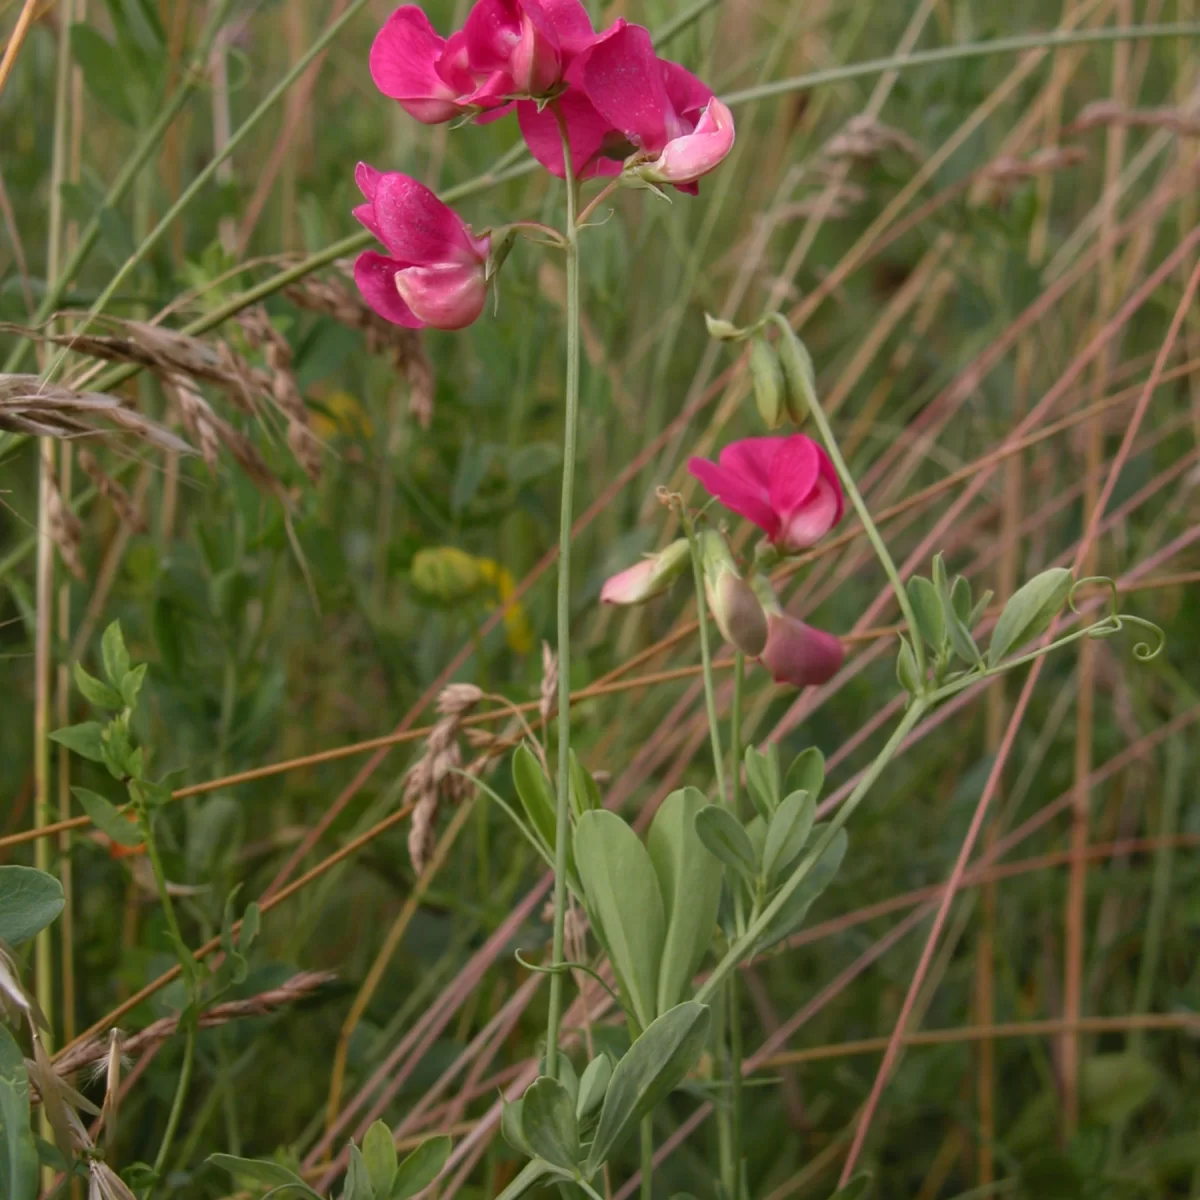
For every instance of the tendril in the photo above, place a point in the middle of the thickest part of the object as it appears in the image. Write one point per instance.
(563, 967)
(1113, 621)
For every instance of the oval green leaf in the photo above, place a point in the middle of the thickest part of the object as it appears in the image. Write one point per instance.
(261, 1170)
(18, 1150)
(787, 833)
(421, 1167)
(690, 879)
(29, 901)
(1030, 612)
(549, 1124)
(807, 773)
(624, 903)
(379, 1157)
(656, 1063)
(724, 836)
(107, 819)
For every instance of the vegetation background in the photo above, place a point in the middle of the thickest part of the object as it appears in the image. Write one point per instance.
(950, 238)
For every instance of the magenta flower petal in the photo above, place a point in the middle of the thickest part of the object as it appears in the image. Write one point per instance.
(740, 494)
(792, 474)
(798, 654)
(751, 458)
(367, 179)
(375, 275)
(688, 95)
(403, 62)
(446, 295)
(590, 135)
(572, 26)
(418, 228)
(623, 78)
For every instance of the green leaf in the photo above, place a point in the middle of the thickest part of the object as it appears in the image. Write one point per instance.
(105, 72)
(762, 779)
(906, 668)
(960, 598)
(787, 833)
(724, 836)
(18, 1150)
(791, 916)
(94, 691)
(131, 685)
(927, 608)
(655, 1064)
(84, 739)
(379, 1157)
(1030, 612)
(624, 903)
(593, 1083)
(690, 879)
(529, 1176)
(980, 608)
(807, 773)
(107, 819)
(511, 1125)
(421, 1167)
(537, 797)
(548, 1121)
(358, 1182)
(116, 657)
(29, 901)
(585, 795)
(261, 1170)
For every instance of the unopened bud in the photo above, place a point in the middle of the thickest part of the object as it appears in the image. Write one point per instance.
(770, 389)
(735, 607)
(648, 578)
(799, 376)
(721, 330)
(796, 653)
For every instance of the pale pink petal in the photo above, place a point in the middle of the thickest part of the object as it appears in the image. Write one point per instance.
(798, 654)
(624, 80)
(417, 227)
(830, 475)
(631, 586)
(736, 492)
(810, 523)
(403, 64)
(375, 275)
(590, 135)
(445, 295)
(686, 159)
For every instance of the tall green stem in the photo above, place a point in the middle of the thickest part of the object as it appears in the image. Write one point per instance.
(563, 782)
(647, 1145)
(789, 356)
(735, 1001)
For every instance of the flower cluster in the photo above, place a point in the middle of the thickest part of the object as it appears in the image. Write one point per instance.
(605, 99)
(788, 487)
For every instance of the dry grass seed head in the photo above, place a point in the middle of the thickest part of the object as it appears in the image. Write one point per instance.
(548, 696)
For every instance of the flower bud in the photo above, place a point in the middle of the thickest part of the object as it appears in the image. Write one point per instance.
(648, 578)
(770, 390)
(735, 607)
(796, 653)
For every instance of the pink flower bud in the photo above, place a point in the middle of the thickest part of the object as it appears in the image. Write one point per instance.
(523, 47)
(735, 607)
(795, 653)
(786, 485)
(436, 273)
(648, 578)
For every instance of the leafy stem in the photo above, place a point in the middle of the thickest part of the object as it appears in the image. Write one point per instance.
(570, 435)
(789, 353)
(744, 946)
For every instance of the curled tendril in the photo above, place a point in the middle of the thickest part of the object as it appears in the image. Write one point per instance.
(563, 967)
(1113, 621)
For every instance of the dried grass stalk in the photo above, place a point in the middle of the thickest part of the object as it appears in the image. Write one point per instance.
(548, 694)
(864, 139)
(98, 1049)
(1112, 112)
(27, 405)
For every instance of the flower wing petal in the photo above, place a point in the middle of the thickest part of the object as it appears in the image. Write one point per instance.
(375, 275)
(735, 492)
(624, 80)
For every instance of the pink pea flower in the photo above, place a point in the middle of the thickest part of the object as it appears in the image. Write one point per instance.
(435, 273)
(798, 654)
(662, 110)
(795, 653)
(524, 47)
(426, 73)
(786, 485)
(596, 147)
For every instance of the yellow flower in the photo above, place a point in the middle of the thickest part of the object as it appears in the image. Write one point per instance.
(454, 577)
(340, 412)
